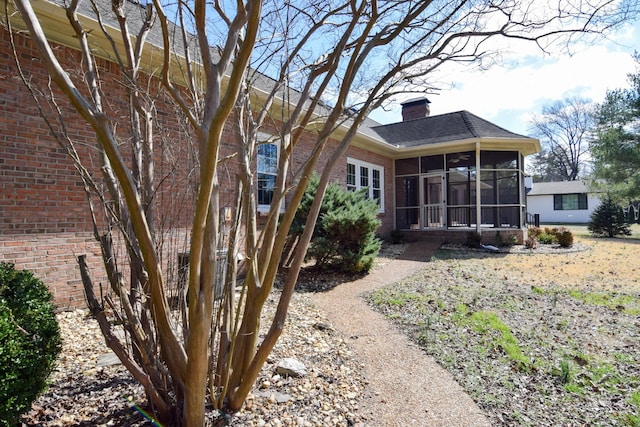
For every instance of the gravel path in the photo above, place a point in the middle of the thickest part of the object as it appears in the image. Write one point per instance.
(405, 386)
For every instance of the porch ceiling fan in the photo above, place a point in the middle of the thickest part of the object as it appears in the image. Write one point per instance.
(460, 158)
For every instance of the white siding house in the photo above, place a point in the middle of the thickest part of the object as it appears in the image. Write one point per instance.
(562, 202)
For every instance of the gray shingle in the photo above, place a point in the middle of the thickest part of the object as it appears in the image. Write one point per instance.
(457, 126)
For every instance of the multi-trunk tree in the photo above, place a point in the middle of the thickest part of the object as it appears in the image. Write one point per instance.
(221, 81)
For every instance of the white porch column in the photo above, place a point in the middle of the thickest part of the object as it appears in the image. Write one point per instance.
(478, 195)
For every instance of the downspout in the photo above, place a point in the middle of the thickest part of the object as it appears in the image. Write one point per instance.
(478, 195)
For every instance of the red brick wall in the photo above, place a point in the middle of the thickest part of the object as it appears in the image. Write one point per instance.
(44, 220)
(52, 258)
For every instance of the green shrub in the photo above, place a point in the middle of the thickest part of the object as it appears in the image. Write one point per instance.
(564, 236)
(29, 341)
(609, 220)
(546, 238)
(344, 237)
(534, 231)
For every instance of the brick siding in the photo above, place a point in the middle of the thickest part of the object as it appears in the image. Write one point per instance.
(44, 220)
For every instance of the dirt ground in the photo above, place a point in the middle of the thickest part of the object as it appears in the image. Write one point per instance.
(606, 264)
(527, 352)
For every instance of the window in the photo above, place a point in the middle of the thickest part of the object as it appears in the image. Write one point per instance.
(362, 175)
(570, 202)
(267, 174)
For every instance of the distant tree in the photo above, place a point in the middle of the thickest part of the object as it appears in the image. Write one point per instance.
(616, 146)
(564, 131)
(609, 220)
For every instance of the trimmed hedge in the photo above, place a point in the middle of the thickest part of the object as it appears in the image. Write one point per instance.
(29, 341)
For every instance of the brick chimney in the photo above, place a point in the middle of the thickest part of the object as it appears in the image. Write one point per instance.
(417, 108)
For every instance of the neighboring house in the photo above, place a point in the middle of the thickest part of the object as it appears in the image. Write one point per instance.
(436, 177)
(564, 202)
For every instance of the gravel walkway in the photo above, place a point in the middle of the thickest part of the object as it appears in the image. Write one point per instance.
(405, 386)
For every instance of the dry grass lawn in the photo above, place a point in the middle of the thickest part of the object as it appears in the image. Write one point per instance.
(607, 264)
(535, 338)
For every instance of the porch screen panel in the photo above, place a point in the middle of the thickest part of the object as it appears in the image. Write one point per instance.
(461, 193)
(500, 186)
(407, 166)
(407, 202)
(432, 163)
(499, 159)
(500, 216)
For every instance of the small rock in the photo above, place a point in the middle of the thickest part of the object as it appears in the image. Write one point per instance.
(291, 367)
(321, 326)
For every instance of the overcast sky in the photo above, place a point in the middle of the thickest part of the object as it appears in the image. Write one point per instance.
(509, 95)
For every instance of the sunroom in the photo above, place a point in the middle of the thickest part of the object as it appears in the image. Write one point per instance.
(456, 173)
(461, 190)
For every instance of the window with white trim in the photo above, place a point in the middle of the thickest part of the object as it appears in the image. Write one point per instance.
(364, 175)
(267, 172)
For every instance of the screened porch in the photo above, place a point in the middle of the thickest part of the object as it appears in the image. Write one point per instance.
(464, 190)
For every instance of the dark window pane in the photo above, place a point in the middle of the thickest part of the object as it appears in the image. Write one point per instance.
(432, 163)
(557, 202)
(364, 177)
(407, 191)
(499, 159)
(376, 178)
(458, 160)
(407, 166)
(351, 176)
(582, 202)
(266, 186)
(407, 219)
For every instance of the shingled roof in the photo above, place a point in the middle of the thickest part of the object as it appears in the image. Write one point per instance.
(457, 126)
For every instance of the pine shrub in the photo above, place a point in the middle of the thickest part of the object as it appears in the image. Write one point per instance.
(631, 215)
(344, 238)
(29, 341)
(609, 220)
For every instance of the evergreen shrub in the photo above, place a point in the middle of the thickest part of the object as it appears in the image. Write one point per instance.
(29, 341)
(608, 220)
(344, 238)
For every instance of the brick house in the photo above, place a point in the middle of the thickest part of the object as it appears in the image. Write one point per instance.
(437, 177)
